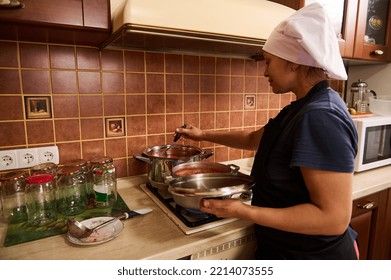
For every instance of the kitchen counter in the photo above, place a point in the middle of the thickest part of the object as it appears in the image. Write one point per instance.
(155, 236)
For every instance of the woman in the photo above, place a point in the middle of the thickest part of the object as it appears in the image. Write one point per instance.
(304, 164)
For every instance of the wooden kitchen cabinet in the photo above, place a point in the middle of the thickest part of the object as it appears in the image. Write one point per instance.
(364, 33)
(82, 22)
(369, 220)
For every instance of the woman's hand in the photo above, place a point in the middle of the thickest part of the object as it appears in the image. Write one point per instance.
(226, 208)
(190, 132)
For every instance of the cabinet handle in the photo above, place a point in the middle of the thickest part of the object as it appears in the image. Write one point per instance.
(377, 52)
(11, 4)
(369, 205)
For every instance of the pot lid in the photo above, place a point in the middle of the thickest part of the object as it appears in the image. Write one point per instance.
(172, 151)
(359, 83)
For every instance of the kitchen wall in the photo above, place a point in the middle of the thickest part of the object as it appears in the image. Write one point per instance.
(377, 76)
(148, 94)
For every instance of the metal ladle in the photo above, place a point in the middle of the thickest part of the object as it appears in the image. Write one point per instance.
(78, 230)
(176, 138)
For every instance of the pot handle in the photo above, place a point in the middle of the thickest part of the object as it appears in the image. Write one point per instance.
(144, 159)
(234, 168)
(206, 153)
(167, 177)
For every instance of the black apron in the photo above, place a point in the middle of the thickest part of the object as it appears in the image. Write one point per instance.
(276, 244)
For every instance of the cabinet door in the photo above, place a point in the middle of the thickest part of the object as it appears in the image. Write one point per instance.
(369, 221)
(50, 12)
(372, 38)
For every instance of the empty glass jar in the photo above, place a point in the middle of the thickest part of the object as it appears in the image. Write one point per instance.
(41, 199)
(84, 166)
(12, 194)
(72, 191)
(104, 181)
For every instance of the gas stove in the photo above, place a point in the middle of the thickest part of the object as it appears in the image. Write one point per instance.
(188, 220)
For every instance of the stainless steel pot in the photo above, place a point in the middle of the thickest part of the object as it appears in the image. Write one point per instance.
(162, 159)
(202, 167)
(189, 191)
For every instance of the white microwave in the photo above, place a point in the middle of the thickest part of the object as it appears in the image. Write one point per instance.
(374, 142)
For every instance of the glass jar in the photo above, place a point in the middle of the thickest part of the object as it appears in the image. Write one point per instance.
(72, 191)
(104, 181)
(84, 166)
(13, 199)
(41, 199)
(47, 168)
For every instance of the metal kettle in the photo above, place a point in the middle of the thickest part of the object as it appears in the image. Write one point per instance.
(359, 96)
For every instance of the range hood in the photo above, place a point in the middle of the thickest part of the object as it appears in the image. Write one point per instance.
(234, 28)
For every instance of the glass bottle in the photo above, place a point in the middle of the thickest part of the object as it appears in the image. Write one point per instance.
(72, 191)
(84, 166)
(13, 199)
(104, 181)
(41, 199)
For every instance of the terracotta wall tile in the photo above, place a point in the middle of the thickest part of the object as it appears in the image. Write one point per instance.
(207, 121)
(192, 102)
(9, 81)
(237, 84)
(62, 57)
(208, 65)
(136, 145)
(36, 81)
(134, 61)
(33, 55)
(155, 83)
(207, 84)
(173, 83)
(92, 128)
(236, 119)
(155, 124)
(8, 54)
(121, 167)
(91, 106)
(40, 132)
(135, 83)
(173, 63)
(135, 104)
(63, 81)
(67, 130)
(154, 62)
(89, 82)
(222, 120)
(136, 125)
(116, 148)
(237, 66)
(223, 84)
(191, 83)
(92, 149)
(155, 104)
(222, 102)
(16, 138)
(112, 82)
(69, 151)
(250, 84)
(174, 103)
(11, 108)
(223, 66)
(65, 106)
(114, 105)
(208, 102)
(237, 101)
(112, 60)
(191, 64)
(88, 58)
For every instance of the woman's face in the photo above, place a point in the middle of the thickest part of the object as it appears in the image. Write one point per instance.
(280, 73)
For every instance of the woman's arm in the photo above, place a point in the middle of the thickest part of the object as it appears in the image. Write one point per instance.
(248, 140)
(328, 213)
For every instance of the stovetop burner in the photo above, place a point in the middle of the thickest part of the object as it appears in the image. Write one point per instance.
(190, 217)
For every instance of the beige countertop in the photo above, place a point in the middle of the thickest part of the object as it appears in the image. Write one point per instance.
(155, 236)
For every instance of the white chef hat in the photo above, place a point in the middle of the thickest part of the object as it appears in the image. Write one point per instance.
(307, 37)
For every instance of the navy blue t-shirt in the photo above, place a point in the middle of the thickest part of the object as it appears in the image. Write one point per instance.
(315, 132)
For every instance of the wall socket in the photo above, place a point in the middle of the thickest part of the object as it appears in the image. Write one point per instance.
(25, 158)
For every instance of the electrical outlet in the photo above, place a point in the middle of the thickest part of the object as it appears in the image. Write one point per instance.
(8, 160)
(48, 154)
(27, 157)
